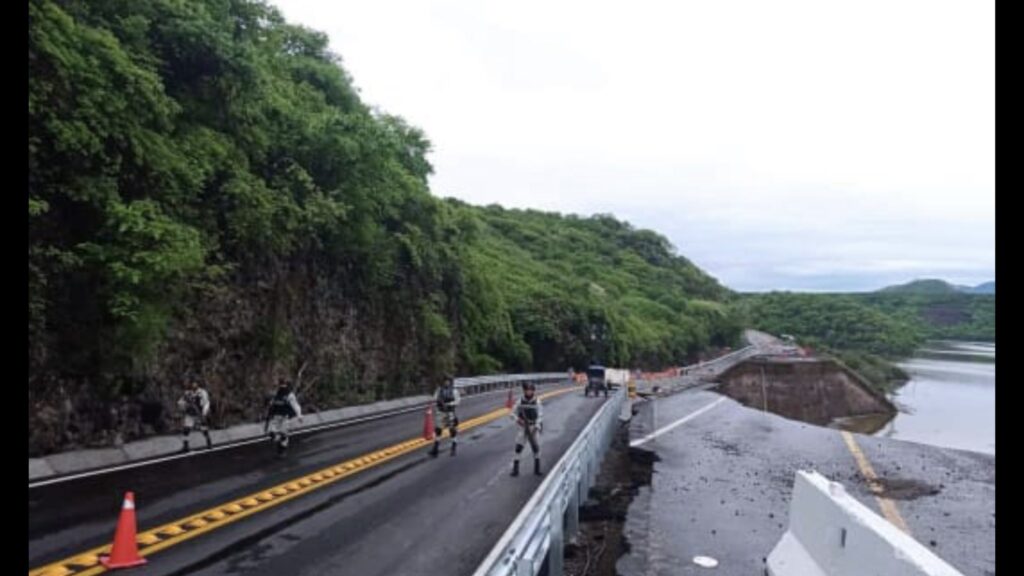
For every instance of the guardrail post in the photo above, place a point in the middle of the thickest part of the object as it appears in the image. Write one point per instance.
(572, 511)
(556, 548)
(592, 468)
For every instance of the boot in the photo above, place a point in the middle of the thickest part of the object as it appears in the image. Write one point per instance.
(433, 451)
(184, 447)
(536, 467)
(515, 467)
(209, 441)
(453, 449)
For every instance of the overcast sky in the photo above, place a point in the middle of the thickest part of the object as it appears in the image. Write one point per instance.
(778, 145)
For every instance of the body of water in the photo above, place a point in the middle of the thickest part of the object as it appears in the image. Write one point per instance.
(950, 400)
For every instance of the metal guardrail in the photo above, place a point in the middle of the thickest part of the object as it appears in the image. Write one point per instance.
(552, 513)
(538, 533)
(478, 384)
(741, 354)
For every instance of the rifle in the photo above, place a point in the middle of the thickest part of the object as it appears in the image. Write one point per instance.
(530, 428)
(298, 378)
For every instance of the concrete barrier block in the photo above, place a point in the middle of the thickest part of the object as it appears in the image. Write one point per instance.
(85, 459)
(311, 420)
(416, 401)
(831, 533)
(358, 411)
(789, 557)
(245, 431)
(39, 468)
(158, 446)
(385, 405)
(330, 415)
(79, 460)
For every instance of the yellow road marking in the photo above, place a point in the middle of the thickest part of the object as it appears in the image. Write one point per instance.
(85, 559)
(57, 571)
(156, 539)
(887, 506)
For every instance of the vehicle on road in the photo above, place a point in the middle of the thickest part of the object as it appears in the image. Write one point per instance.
(596, 381)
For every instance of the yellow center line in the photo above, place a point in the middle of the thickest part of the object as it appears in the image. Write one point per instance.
(173, 533)
(887, 506)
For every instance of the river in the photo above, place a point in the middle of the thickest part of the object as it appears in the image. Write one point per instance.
(950, 399)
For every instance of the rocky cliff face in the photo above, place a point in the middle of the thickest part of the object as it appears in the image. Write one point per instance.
(238, 339)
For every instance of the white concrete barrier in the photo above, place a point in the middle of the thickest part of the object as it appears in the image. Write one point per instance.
(832, 534)
(73, 461)
(39, 467)
(616, 376)
(161, 445)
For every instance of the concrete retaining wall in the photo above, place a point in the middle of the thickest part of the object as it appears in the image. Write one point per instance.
(80, 460)
(832, 534)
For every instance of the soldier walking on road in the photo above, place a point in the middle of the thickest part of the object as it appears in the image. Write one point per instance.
(283, 407)
(445, 400)
(195, 404)
(527, 415)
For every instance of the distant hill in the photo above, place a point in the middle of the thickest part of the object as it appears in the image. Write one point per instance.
(922, 287)
(933, 286)
(985, 288)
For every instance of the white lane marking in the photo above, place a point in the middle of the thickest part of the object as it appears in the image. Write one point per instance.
(675, 424)
(224, 446)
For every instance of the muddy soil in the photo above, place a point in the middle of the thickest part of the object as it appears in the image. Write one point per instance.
(600, 541)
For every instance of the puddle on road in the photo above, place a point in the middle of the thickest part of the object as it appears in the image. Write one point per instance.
(906, 489)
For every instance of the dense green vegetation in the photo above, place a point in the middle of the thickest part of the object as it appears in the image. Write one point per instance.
(577, 288)
(867, 330)
(834, 320)
(208, 195)
(190, 156)
(956, 316)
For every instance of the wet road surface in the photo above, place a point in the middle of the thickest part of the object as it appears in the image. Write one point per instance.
(409, 515)
(722, 484)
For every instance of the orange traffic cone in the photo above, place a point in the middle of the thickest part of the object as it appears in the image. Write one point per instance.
(508, 402)
(428, 424)
(124, 553)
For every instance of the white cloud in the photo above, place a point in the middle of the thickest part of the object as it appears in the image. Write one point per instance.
(751, 134)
